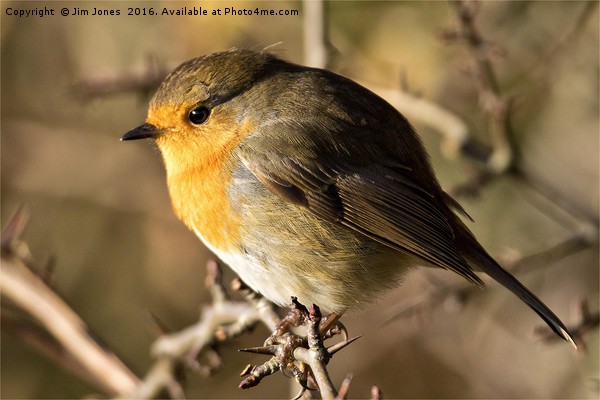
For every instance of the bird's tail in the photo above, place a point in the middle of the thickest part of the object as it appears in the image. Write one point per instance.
(481, 259)
(507, 280)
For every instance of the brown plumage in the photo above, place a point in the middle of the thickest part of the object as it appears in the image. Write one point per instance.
(306, 183)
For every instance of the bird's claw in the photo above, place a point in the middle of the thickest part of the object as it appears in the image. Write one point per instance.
(283, 343)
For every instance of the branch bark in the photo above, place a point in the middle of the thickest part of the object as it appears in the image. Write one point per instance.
(27, 290)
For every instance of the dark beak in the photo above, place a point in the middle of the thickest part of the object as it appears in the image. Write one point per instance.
(142, 132)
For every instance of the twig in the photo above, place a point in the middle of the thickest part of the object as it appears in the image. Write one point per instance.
(559, 206)
(455, 133)
(464, 290)
(71, 345)
(316, 42)
(40, 340)
(569, 246)
(220, 321)
(504, 157)
(304, 357)
(265, 308)
(344, 387)
(376, 393)
(566, 41)
(490, 98)
(74, 346)
(317, 355)
(144, 82)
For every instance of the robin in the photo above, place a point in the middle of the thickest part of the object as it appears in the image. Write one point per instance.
(307, 184)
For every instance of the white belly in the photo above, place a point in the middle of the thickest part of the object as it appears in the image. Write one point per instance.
(275, 288)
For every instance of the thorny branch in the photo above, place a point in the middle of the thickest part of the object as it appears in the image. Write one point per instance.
(503, 157)
(222, 320)
(60, 334)
(304, 357)
(492, 102)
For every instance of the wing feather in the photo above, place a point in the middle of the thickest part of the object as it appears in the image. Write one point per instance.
(380, 200)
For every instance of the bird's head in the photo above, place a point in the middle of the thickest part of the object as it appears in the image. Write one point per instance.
(204, 107)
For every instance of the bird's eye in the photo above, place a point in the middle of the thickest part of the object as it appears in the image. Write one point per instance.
(199, 115)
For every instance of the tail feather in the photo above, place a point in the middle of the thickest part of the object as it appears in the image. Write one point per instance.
(475, 253)
(507, 280)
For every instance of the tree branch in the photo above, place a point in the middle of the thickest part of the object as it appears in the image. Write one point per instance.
(73, 346)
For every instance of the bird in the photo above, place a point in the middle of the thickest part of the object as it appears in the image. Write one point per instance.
(308, 184)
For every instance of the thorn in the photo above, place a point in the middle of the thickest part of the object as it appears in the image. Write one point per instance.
(345, 387)
(375, 393)
(339, 346)
(14, 228)
(247, 369)
(156, 326)
(214, 273)
(270, 350)
(47, 271)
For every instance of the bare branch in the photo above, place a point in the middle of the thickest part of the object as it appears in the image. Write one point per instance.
(455, 133)
(566, 41)
(490, 98)
(74, 345)
(144, 82)
(316, 41)
(462, 291)
(70, 344)
(220, 321)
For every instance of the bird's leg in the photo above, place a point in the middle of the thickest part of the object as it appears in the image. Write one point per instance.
(293, 319)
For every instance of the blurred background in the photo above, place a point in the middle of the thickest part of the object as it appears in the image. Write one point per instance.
(101, 207)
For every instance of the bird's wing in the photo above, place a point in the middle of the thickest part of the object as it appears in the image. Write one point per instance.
(361, 182)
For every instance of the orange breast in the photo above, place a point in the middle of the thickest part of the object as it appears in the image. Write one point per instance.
(200, 200)
(199, 164)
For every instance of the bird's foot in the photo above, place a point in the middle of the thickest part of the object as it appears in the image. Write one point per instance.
(302, 356)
